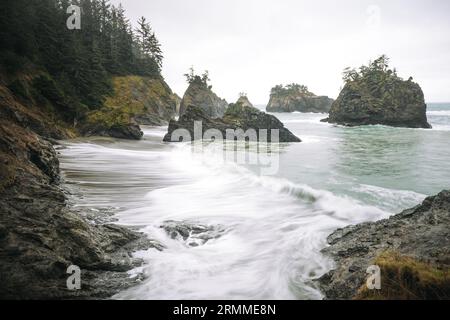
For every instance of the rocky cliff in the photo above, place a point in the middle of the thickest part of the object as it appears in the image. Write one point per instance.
(237, 116)
(201, 95)
(376, 95)
(297, 98)
(135, 101)
(411, 248)
(40, 236)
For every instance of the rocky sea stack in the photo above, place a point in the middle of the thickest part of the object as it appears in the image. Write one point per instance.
(199, 94)
(236, 117)
(376, 95)
(412, 250)
(244, 101)
(295, 97)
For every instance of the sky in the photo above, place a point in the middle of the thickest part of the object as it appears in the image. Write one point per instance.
(252, 45)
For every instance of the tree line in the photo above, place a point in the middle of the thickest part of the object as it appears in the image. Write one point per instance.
(79, 63)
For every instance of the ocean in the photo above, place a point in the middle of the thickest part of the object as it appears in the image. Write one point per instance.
(271, 228)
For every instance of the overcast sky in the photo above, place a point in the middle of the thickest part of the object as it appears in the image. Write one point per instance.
(252, 45)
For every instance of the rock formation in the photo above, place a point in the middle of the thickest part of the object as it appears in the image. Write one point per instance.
(244, 101)
(136, 101)
(295, 97)
(416, 236)
(200, 94)
(40, 236)
(376, 95)
(236, 117)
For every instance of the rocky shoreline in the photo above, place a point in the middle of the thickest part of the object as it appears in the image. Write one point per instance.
(40, 235)
(407, 247)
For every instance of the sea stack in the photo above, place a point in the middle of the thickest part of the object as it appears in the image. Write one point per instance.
(377, 95)
(295, 97)
(199, 94)
(244, 101)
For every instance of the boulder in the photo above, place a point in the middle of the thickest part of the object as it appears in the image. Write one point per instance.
(420, 235)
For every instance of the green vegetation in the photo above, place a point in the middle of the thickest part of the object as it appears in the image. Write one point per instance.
(406, 278)
(74, 67)
(290, 89)
(193, 78)
(134, 96)
(377, 78)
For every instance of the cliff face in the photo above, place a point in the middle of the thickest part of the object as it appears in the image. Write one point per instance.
(297, 101)
(136, 100)
(236, 117)
(40, 237)
(200, 95)
(412, 249)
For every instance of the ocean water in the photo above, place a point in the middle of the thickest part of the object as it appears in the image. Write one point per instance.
(272, 227)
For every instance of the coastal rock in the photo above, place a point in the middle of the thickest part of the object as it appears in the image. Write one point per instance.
(40, 236)
(193, 235)
(297, 98)
(136, 101)
(129, 130)
(376, 95)
(421, 234)
(236, 117)
(244, 101)
(200, 94)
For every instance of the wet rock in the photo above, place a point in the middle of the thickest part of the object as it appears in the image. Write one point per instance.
(236, 117)
(130, 131)
(422, 233)
(192, 234)
(40, 236)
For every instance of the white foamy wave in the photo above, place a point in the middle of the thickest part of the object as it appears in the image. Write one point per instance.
(391, 199)
(275, 230)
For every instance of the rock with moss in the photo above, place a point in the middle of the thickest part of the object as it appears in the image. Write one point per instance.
(136, 101)
(40, 235)
(201, 95)
(416, 237)
(236, 117)
(295, 97)
(244, 101)
(377, 95)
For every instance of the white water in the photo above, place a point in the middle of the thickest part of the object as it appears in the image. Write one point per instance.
(274, 226)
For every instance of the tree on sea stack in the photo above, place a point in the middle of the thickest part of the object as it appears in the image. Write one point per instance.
(375, 94)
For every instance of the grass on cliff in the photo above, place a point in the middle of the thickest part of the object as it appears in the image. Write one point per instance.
(404, 278)
(133, 95)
